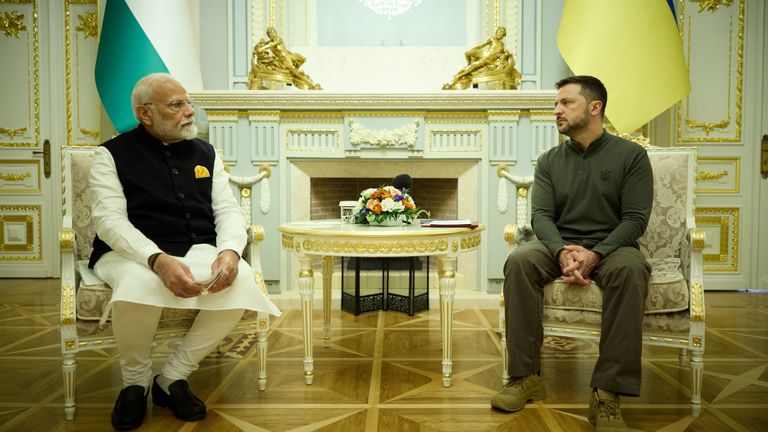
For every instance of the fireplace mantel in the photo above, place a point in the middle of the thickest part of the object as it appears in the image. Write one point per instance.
(321, 100)
(465, 135)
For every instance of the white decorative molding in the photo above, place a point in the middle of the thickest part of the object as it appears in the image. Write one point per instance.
(401, 137)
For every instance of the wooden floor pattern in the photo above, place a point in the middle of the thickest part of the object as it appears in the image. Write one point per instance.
(382, 372)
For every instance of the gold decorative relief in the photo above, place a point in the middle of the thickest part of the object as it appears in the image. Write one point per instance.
(66, 239)
(81, 92)
(697, 239)
(21, 28)
(67, 304)
(731, 123)
(723, 224)
(706, 175)
(708, 127)
(257, 233)
(712, 5)
(287, 241)
(509, 233)
(697, 302)
(18, 226)
(15, 177)
(89, 25)
(12, 23)
(724, 177)
(90, 133)
(13, 133)
(470, 242)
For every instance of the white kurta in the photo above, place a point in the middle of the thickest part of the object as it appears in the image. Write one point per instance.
(125, 269)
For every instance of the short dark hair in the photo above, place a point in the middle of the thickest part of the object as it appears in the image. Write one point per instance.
(591, 88)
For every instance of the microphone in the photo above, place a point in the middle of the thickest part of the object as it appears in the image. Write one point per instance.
(404, 182)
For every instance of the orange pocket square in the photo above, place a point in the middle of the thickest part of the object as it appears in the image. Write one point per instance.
(201, 172)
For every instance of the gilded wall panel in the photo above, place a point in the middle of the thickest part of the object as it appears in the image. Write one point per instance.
(20, 233)
(81, 26)
(19, 176)
(713, 41)
(718, 175)
(20, 76)
(721, 228)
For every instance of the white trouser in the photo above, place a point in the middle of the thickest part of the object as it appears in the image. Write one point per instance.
(134, 326)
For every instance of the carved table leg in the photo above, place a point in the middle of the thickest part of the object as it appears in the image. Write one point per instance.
(327, 285)
(306, 291)
(447, 275)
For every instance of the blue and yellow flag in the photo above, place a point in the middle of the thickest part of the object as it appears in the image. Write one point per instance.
(139, 37)
(634, 48)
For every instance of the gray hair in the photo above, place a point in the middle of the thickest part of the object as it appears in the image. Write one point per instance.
(143, 90)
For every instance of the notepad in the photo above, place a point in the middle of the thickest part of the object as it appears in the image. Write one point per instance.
(446, 223)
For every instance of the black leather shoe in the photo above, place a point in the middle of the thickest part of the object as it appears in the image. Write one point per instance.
(130, 408)
(183, 403)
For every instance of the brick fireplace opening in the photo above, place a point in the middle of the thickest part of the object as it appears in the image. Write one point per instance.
(447, 188)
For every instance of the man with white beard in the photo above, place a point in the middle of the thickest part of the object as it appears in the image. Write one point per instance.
(165, 219)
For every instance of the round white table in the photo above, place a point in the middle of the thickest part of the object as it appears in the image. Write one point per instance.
(330, 238)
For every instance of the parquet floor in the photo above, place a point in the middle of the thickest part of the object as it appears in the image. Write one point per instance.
(382, 372)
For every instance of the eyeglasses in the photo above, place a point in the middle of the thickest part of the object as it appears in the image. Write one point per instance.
(176, 106)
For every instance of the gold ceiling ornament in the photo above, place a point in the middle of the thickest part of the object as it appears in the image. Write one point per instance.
(12, 23)
(272, 62)
(89, 25)
(712, 5)
(488, 62)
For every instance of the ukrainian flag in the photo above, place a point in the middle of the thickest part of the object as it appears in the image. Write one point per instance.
(139, 37)
(634, 48)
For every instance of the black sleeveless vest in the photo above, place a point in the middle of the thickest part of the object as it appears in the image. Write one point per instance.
(167, 189)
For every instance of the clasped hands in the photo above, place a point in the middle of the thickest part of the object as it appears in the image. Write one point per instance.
(576, 263)
(177, 277)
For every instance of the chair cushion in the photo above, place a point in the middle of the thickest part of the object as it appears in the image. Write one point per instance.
(667, 291)
(671, 324)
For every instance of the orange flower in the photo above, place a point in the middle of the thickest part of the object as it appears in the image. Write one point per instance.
(407, 203)
(380, 194)
(373, 206)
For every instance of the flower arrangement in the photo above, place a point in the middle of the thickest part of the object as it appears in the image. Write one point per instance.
(384, 204)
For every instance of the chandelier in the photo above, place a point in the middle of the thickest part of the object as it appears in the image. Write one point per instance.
(390, 8)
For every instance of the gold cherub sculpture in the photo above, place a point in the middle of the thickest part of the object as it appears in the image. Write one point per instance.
(272, 62)
(488, 62)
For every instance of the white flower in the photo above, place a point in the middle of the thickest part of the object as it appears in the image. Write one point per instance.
(390, 205)
(366, 194)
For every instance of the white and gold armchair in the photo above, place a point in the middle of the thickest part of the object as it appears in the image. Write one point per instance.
(84, 312)
(674, 308)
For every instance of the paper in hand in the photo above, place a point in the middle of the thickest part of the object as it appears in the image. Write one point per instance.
(208, 283)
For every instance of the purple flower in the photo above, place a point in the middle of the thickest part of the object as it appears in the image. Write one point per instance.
(398, 197)
(365, 211)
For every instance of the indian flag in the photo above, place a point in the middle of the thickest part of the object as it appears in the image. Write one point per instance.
(634, 48)
(139, 37)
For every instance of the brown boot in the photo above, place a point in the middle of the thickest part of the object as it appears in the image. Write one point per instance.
(513, 396)
(605, 414)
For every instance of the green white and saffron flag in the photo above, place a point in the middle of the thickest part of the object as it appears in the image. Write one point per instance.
(634, 48)
(139, 37)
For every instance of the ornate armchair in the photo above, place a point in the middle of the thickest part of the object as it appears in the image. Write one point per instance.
(674, 309)
(84, 312)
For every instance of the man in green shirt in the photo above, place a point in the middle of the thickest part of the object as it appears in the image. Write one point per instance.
(591, 201)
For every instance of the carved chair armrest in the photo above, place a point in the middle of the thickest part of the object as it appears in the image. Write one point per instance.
(515, 234)
(69, 279)
(252, 254)
(692, 260)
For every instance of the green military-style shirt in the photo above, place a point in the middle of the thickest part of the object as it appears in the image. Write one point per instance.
(600, 198)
